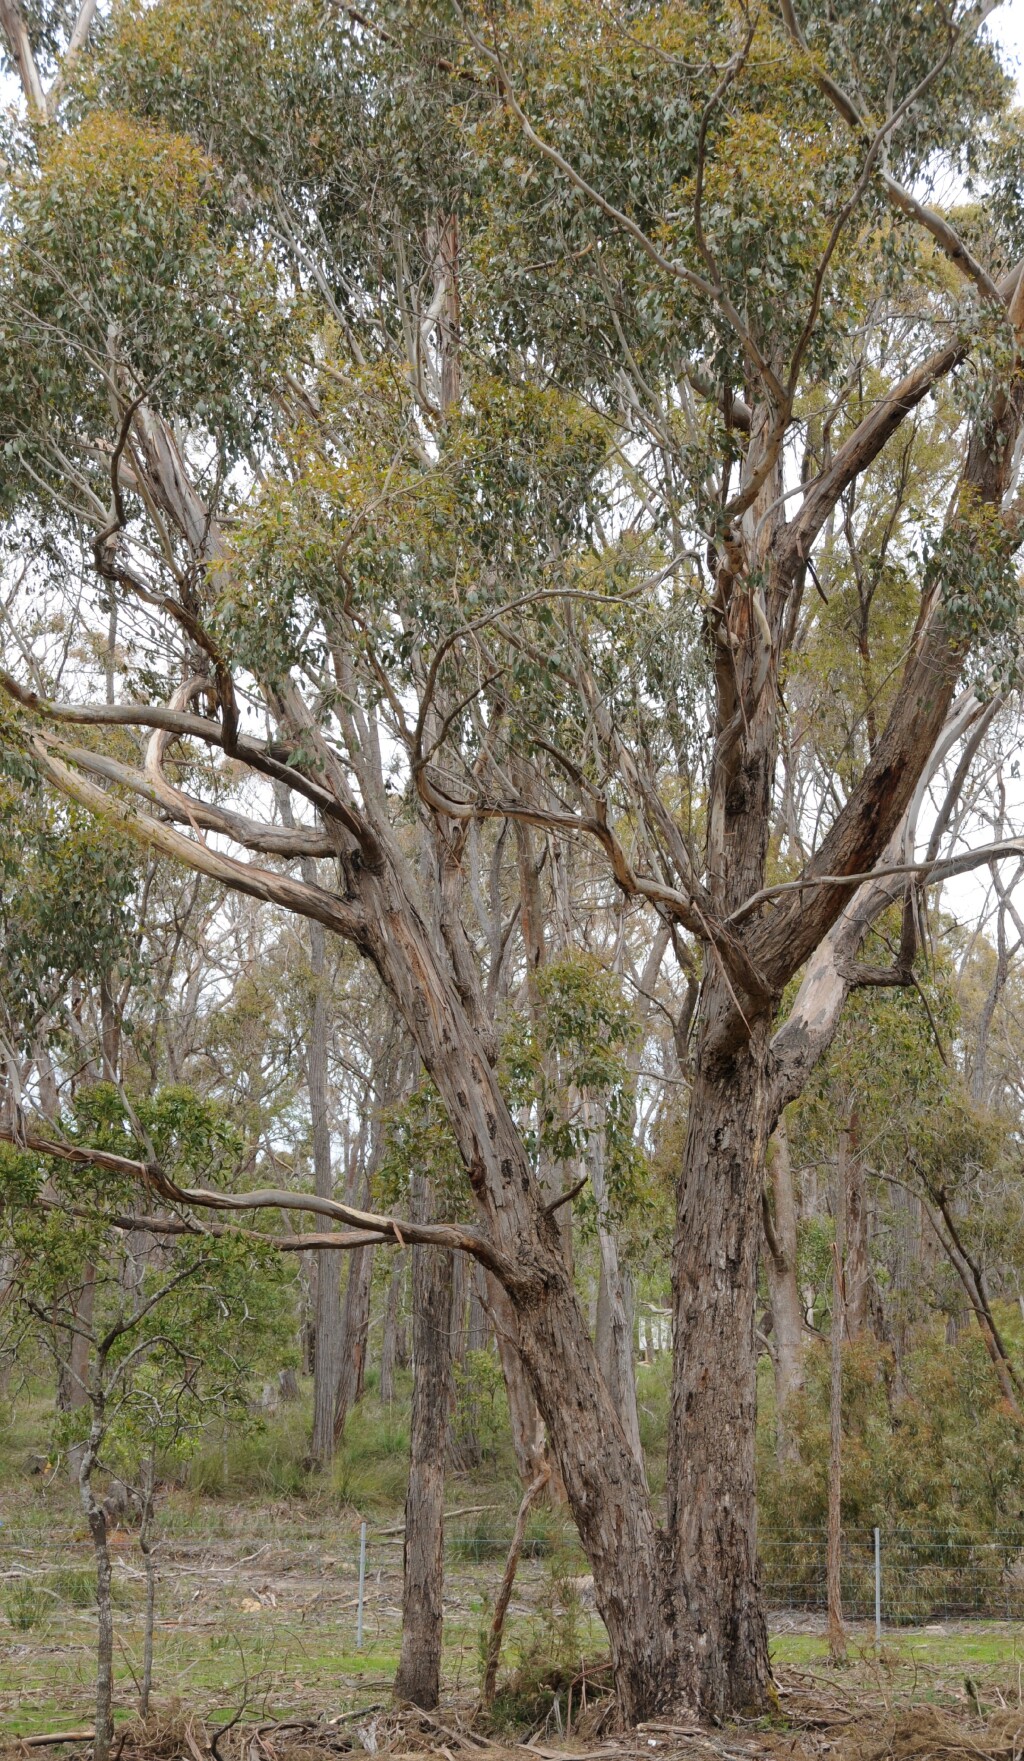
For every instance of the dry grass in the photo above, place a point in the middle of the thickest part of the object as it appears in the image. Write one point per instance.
(818, 1721)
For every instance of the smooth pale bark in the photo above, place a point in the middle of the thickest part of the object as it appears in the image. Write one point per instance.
(418, 1680)
(614, 1330)
(780, 1264)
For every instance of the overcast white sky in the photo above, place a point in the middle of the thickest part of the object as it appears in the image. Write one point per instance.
(1008, 26)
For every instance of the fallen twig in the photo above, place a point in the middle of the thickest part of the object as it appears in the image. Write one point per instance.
(43, 1739)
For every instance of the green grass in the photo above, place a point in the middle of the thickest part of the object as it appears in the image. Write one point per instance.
(256, 1598)
(986, 1645)
(371, 1469)
(268, 1461)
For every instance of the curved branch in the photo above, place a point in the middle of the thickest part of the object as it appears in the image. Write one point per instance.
(192, 727)
(860, 450)
(932, 872)
(343, 1240)
(338, 914)
(152, 1176)
(253, 834)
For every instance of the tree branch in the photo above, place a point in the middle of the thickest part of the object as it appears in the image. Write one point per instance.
(152, 1176)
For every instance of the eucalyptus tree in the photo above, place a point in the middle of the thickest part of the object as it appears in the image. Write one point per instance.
(467, 406)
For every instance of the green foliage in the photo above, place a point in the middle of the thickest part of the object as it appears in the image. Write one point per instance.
(177, 1335)
(67, 891)
(75, 1588)
(121, 237)
(975, 569)
(481, 1413)
(576, 1050)
(371, 1468)
(549, 1659)
(940, 1453)
(26, 1607)
(418, 1140)
(258, 1458)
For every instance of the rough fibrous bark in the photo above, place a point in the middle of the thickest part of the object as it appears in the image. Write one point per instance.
(419, 1670)
(355, 1330)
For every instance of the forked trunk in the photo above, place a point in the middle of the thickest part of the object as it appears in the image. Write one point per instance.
(712, 1522)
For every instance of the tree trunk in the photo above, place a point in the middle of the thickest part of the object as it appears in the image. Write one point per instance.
(465, 1451)
(73, 1376)
(389, 1336)
(504, 1595)
(419, 1669)
(527, 1426)
(780, 1264)
(861, 1297)
(712, 1522)
(602, 1478)
(149, 1564)
(96, 1517)
(614, 1329)
(327, 1337)
(478, 1331)
(615, 1339)
(355, 1334)
(833, 1572)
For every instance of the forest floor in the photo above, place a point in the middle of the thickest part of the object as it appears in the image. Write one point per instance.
(256, 1627)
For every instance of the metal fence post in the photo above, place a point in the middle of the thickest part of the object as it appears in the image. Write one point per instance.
(878, 1590)
(362, 1583)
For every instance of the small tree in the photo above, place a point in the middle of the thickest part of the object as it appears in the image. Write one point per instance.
(179, 1322)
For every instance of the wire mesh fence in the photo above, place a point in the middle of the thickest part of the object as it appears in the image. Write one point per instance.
(352, 1578)
(918, 1578)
